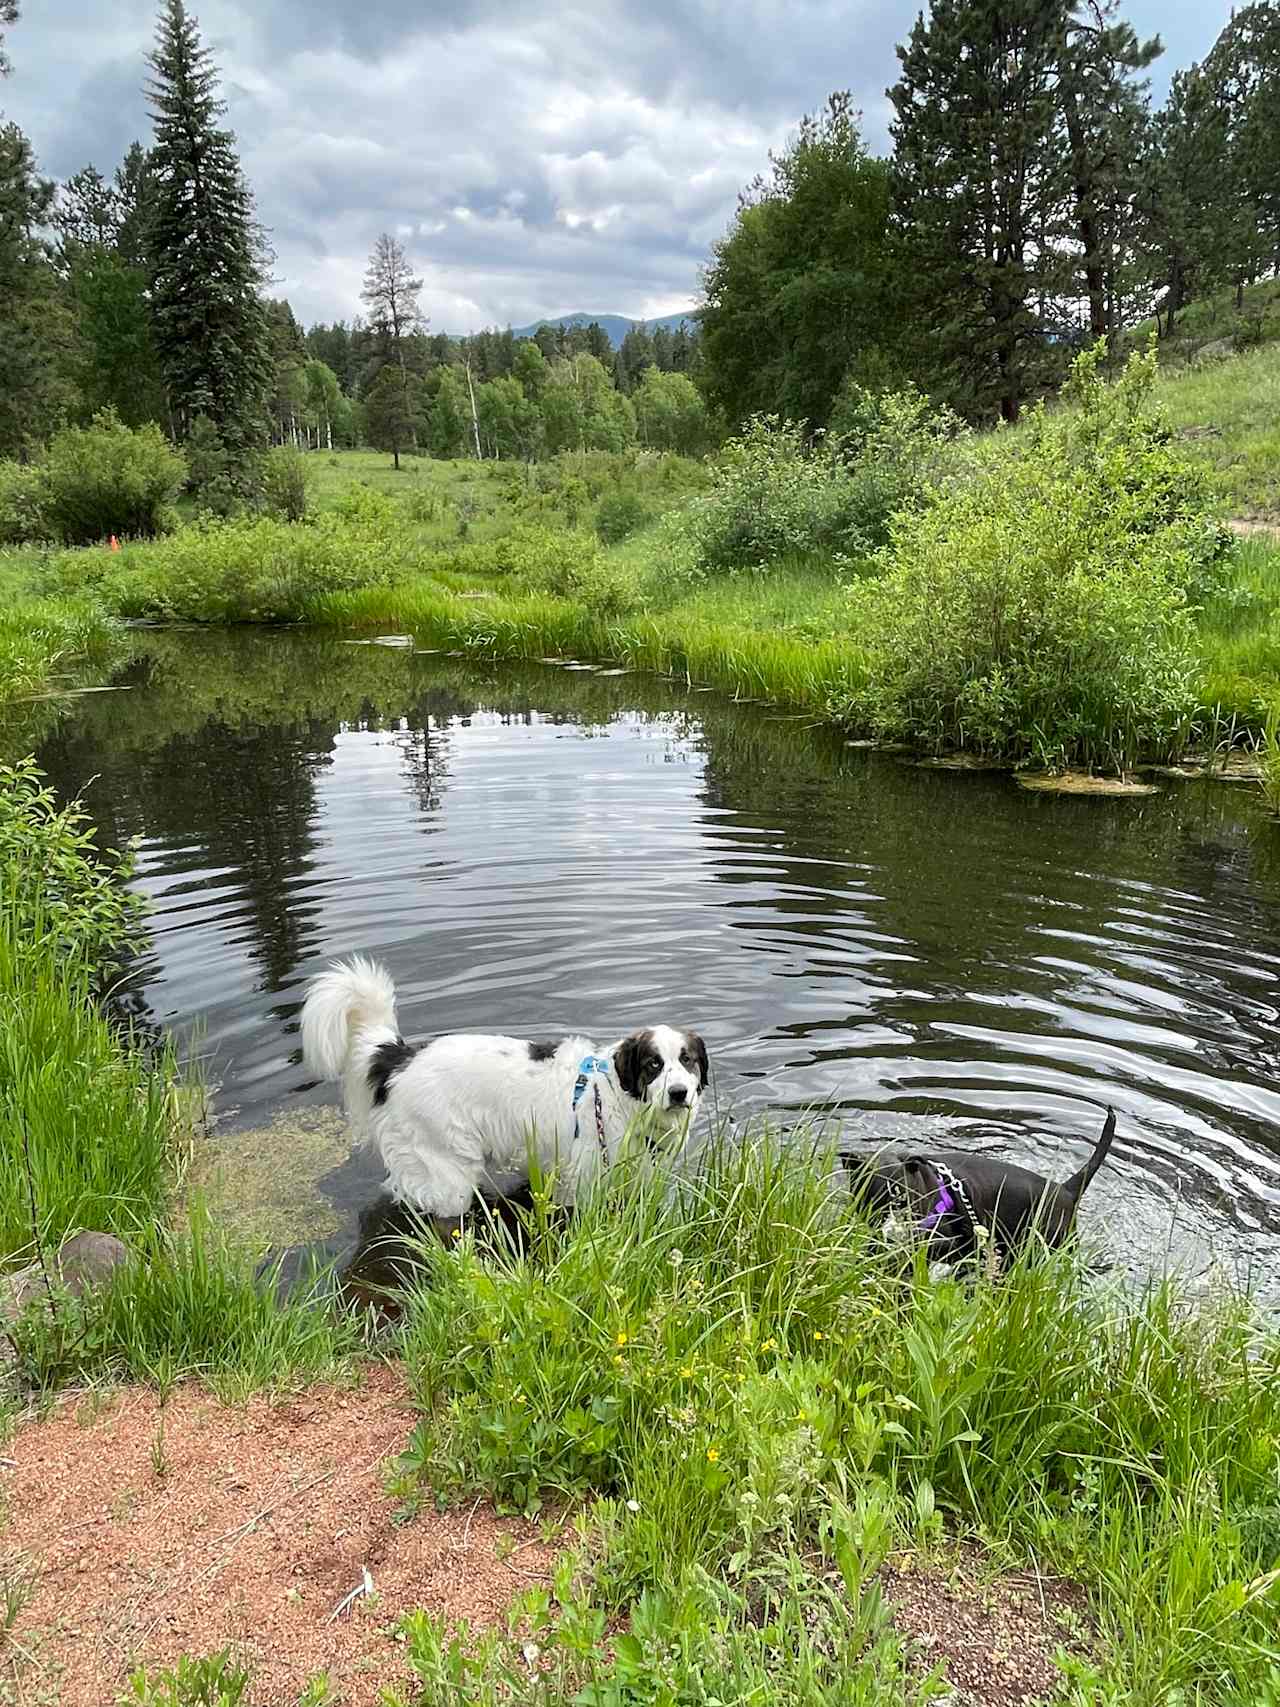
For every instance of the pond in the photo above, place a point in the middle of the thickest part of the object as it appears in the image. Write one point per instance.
(921, 955)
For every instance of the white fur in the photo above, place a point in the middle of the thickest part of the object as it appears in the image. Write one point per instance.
(469, 1111)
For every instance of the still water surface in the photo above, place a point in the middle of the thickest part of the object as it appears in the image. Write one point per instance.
(926, 956)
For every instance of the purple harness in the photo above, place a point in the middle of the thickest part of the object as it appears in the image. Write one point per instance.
(945, 1204)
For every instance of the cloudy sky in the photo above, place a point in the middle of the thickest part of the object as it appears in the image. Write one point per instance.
(536, 158)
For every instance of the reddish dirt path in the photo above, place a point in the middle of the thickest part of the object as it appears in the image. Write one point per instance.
(144, 1546)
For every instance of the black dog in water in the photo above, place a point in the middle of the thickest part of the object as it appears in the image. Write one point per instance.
(956, 1202)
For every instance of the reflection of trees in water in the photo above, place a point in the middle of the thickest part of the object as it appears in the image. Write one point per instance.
(1011, 910)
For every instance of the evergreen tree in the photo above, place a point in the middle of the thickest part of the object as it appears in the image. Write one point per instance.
(115, 362)
(8, 15)
(205, 249)
(797, 290)
(133, 188)
(977, 158)
(391, 293)
(596, 343)
(36, 335)
(1187, 177)
(1242, 77)
(635, 354)
(1105, 116)
(390, 412)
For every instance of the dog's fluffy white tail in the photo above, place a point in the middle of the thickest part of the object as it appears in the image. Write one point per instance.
(354, 999)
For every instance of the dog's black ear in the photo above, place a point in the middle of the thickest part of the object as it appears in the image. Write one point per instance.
(698, 1049)
(627, 1058)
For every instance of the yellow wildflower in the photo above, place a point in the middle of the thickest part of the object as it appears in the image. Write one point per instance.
(713, 1455)
(621, 1340)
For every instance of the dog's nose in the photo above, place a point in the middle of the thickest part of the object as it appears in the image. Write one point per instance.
(677, 1094)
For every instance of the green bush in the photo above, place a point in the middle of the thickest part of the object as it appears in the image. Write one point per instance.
(22, 515)
(619, 515)
(558, 561)
(109, 479)
(895, 444)
(244, 569)
(773, 496)
(89, 1118)
(1044, 612)
(60, 886)
(286, 477)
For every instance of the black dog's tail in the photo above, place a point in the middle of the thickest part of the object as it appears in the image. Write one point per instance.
(1076, 1186)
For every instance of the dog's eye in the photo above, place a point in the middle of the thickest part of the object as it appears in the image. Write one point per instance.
(686, 1059)
(652, 1067)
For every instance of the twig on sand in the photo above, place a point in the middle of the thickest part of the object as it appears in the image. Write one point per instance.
(251, 1522)
(362, 1591)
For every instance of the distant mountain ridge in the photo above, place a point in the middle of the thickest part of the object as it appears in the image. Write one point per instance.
(614, 326)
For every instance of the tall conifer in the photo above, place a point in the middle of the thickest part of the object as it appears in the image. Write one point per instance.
(205, 249)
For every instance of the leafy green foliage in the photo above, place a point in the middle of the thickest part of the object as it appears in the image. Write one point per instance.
(90, 1116)
(61, 886)
(773, 495)
(286, 477)
(243, 569)
(213, 1681)
(109, 479)
(1043, 611)
(795, 1636)
(21, 503)
(797, 292)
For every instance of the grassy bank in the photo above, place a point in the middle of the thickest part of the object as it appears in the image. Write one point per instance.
(92, 1137)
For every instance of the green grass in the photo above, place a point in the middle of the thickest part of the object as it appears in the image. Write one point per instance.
(1228, 414)
(94, 1119)
(745, 1382)
(187, 1306)
(1240, 639)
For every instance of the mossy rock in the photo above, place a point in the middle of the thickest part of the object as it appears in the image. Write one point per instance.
(1082, 782)
(262, 1183)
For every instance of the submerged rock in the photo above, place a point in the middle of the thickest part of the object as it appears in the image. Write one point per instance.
(1081, 782)
(262, 1183)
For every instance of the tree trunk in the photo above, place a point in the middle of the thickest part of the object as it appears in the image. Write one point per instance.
(475, 419)
(1095, 271)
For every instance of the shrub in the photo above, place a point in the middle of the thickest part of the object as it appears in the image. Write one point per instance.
(60, 886)
(619, 515)
(286, 476)
(21, 503)
(109, 479)
(895, 445)
(1044, 611)
(89, 1118)
(772, 496)
(565, 564)
(242, 569)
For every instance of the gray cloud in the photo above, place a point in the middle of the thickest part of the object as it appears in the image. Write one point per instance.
(553, 158)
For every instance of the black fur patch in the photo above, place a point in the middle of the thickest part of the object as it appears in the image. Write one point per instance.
(694, 1054)
(543, 1048)
(636, 1062)
(385, 1062)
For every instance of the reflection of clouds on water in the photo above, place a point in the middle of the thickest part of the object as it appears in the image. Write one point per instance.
(541, 851)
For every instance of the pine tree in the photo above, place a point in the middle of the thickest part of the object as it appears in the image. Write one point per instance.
(205, 249)
(391, 292)
(1185, 213)
(978, 148)
(8, 15)
(133, 187)
(36, 335)
(1106, 119)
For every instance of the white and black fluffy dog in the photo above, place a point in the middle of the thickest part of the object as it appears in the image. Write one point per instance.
(463, 1114)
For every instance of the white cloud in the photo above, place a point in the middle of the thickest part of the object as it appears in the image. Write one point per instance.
(552, 158)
